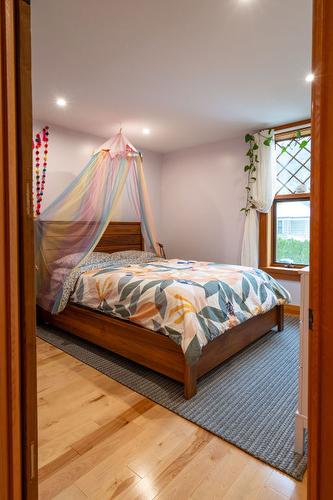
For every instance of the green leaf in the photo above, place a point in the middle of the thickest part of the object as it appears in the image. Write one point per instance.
(255, 146)
(161, 301)
(227, 290)
(262, 293)
(214, 314)
(253, 178)
(240, 302)
(165, 284)
(212, 287)
(174, 335)
(267, 141)
(249, 138)
(284, 149)
(247, 167)
(150, 284)
(303, 144)
(105, 307)
(129, 289)
(245, 288)
(134, 301)
(121, 310)
(123, 281)
(193, 351)
(298, 134)
(253, 281)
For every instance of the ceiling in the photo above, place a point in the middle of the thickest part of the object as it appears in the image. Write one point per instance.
(192, 71)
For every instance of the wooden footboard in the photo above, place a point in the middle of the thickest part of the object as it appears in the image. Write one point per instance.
(156, 351)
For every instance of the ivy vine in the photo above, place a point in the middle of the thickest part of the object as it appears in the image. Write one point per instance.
(253, 161)
(251, 166)
(294, 142)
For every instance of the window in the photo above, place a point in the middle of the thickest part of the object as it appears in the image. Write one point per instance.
(292, 236)
(285, 233)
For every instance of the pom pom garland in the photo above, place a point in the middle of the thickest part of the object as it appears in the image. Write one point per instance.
(41, 141)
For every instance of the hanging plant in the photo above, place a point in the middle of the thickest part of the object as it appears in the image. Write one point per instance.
(295, 142)
(251, 166)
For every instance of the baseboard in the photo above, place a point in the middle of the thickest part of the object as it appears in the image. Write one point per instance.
(292, 309)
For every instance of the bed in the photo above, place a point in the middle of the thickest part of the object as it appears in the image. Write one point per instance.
(152, 349)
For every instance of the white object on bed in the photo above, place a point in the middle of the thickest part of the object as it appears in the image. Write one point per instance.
(301, 419)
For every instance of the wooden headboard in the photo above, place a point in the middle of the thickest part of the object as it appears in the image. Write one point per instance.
(120, 236)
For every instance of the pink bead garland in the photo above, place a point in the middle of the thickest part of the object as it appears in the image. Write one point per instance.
(41, 140)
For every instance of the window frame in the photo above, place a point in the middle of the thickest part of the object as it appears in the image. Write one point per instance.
(279, 199)
(267, 222)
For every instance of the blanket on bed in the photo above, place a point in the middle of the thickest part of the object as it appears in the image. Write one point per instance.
(192, 302)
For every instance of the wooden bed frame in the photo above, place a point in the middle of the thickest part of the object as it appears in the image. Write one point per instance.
(152, 349)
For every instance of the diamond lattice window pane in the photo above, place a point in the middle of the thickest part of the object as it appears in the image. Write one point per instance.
(303, 174)
(284, 159)
(303, 155)
(284, 176)
(293, 165)
(294, 185)
(283, 190)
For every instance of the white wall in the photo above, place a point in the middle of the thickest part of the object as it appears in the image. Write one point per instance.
(70, 151)
(196, 194)
(202, 194)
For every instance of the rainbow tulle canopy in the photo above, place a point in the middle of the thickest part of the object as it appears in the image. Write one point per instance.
(70, 228)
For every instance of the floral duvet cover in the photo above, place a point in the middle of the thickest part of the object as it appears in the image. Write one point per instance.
(191, 302)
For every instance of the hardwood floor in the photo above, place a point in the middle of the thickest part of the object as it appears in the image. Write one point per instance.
(101, 440)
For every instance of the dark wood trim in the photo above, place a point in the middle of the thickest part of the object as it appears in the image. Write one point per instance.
(17, 308)
(265, 249)
(13, 141)
(292, 309)
(299, 123)
(266, 245)
(157, 351)
(292, 134)
(27, 288)
(320, 484)
(294, 196)
(283, 273)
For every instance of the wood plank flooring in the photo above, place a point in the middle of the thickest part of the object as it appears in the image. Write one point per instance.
(101, 440)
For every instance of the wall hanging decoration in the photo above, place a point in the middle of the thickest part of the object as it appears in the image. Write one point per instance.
(40, 147)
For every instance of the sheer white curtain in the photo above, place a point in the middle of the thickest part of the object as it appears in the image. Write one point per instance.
(263, 191)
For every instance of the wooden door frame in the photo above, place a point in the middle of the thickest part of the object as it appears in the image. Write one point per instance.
(320, 484)
(17, 345)
(18, 408)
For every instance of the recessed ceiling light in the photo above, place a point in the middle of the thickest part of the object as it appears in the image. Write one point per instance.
(146, 131)
(61, 102)
(309, 77)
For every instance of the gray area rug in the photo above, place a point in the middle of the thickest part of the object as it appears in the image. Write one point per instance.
(250, 400)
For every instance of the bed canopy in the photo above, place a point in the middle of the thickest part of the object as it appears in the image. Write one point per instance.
(70, 228)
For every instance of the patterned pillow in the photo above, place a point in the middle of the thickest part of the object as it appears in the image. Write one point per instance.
(136, 255)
